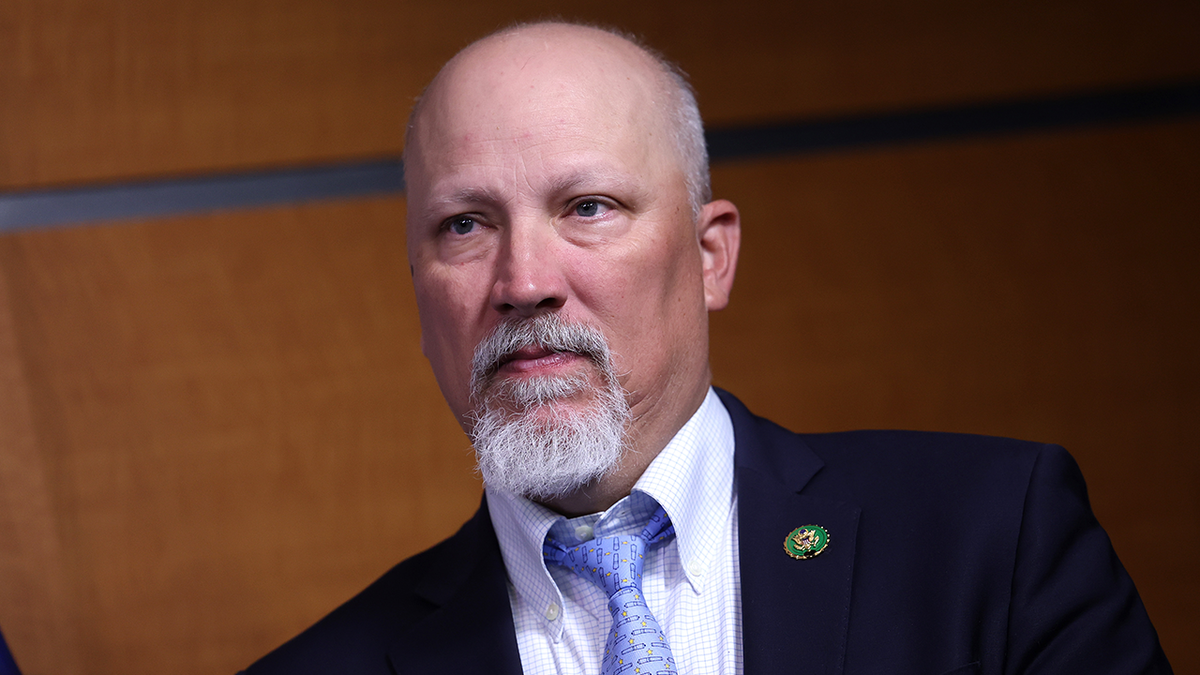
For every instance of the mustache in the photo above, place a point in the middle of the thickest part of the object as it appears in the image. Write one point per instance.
(547, 331)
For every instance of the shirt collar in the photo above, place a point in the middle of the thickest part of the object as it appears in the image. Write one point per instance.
(692, 479)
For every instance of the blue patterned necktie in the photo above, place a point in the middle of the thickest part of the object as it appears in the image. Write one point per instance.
(636, 644)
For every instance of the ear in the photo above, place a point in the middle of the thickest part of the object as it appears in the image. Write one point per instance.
(720, 232)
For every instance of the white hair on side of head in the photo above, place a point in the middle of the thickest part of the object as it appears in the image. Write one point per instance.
(682, 110)
(689, 132)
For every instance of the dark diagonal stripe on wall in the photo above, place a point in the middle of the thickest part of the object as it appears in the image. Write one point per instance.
(952, 122)
(151, 199)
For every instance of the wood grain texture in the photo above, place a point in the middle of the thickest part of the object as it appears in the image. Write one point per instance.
(237, 431)
(214, 429)
(35, 607)
(237, 427)
(100, 90)
(1043, 288)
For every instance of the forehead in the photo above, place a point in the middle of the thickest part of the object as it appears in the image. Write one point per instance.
(565, 95)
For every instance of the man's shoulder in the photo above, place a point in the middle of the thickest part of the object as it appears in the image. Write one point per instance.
(886, 465)
(891, 450)
(892, 466)
(356, 636)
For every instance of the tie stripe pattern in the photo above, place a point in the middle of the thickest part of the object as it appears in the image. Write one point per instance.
(636, 644)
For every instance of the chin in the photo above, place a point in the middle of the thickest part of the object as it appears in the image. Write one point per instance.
(551, 445)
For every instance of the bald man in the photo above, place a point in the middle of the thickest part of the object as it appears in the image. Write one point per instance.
(566, 253)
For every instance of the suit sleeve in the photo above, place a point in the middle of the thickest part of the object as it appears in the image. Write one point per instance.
(1074, 608)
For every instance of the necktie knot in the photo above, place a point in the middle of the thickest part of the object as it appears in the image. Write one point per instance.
(636, 642)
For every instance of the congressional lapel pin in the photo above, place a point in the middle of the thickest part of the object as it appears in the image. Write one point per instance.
(806, 542)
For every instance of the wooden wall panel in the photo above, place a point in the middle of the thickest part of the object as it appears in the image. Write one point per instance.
(98, 90)
(237, 428)
(1042, 287)
(216, 428)
(129, 88)
(236, 431)
(35, 609)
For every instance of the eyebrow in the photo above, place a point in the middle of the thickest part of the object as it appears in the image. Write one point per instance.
(471, 195)
(607, 180)
(574, 179)
(463, 196)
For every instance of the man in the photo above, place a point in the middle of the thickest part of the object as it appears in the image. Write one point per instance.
(565, 255)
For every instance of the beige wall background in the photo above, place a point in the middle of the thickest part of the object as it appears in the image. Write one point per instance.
(214, 428)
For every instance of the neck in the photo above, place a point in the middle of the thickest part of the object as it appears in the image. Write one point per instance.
(600, 494)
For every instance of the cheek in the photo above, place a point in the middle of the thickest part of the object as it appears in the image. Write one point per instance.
(447, 299)
(671, 280)
(446, 324)
(652, 299)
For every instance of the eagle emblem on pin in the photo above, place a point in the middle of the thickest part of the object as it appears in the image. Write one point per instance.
(806, 542)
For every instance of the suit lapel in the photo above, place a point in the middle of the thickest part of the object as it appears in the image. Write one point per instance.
(471, 631)
(795, 613)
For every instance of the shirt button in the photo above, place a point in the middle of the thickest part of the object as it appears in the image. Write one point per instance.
(584, 532)
(552, 612)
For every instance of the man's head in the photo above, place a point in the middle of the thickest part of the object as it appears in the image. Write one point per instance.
(554, 210)
(678, 103)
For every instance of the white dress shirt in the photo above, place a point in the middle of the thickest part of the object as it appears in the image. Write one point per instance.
(691, 584)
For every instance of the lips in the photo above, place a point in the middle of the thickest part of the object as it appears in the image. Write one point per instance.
(534, 357)
(520, 348)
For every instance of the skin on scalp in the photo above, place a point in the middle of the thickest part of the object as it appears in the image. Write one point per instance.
(679, 105)
(515, 134)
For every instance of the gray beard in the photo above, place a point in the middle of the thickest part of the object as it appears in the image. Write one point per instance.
(527, 443)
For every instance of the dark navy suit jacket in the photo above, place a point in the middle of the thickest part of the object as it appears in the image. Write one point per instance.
(947, 554)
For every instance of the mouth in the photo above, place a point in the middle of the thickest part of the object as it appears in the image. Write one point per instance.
(545, 349)
(534, 359)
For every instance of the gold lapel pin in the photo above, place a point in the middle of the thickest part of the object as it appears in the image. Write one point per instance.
(806, 542)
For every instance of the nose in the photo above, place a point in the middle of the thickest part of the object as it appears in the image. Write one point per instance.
(529, 277)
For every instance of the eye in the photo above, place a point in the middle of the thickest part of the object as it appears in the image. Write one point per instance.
(460, 225)
(590, 208)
